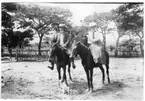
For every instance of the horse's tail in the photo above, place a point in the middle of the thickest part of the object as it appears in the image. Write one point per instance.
(107, 57)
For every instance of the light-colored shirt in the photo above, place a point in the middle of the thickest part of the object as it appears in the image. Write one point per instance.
(97, 36)
(61, 38)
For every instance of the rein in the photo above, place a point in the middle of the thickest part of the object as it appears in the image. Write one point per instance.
(84, 51)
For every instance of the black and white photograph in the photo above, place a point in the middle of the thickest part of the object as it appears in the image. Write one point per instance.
(72, 50)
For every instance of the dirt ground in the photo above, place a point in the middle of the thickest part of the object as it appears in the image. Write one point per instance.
(33, 80)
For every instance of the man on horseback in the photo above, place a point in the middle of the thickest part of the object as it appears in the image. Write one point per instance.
(96, 48)
(63, 39)
(91, 57)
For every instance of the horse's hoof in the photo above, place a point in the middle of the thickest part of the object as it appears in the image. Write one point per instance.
(88, 90)
(71, 80)
(59, 83)
(91, 90)
(66, 89)
(109, 81)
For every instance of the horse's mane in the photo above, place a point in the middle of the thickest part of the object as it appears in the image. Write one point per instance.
(62, 53)
(84, 50)
(82, 45)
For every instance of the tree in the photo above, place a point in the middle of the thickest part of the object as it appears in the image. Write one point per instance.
(8, 24)
(101, 21)
(129, 46)
(79, 30)
(8, 8)
(117, 19)
(11, 38)
(42, 18)
(23, 38)
(132, 20)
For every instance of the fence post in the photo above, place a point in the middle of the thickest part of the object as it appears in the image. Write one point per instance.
(17, 53)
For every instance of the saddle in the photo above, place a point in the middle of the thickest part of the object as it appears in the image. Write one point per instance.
(101, 55)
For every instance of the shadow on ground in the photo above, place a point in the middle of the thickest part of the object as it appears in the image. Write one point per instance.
(110, 88)
(78, 87)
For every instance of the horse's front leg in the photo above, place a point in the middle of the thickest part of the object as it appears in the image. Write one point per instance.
(103, 74)
(59, 74)
(64, 75)
(107, 71)
(91, 79)
(69, 65)
(88, 78)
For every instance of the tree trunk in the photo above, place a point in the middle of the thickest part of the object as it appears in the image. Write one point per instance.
(130, 51)
(17, 53)
(2, 51)
(141, 37)
(104, 41)
(10, 52)
(117, 46)
(141, 47)
(22, 48)
(39, 46)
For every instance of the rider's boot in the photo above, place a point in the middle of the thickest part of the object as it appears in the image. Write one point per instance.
(52, 66)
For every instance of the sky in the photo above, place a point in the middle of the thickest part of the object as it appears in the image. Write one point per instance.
(80, 11)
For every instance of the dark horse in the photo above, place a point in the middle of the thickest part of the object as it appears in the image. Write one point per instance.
(88, 63)
(59, 56)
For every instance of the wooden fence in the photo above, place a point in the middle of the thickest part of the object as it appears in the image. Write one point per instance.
(32, 54)
(28, 55)
(126, 54)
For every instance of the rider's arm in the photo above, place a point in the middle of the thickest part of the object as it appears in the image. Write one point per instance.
(66, 43)
(57, 39)
(68, 38)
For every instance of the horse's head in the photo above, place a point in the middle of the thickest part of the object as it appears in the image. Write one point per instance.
(79, 48)
(53, 51)
(75, 48)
